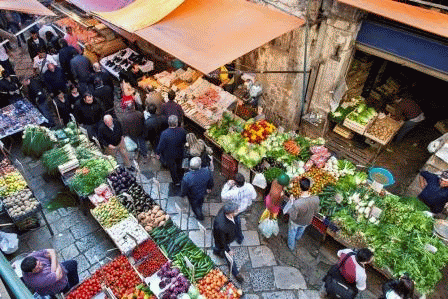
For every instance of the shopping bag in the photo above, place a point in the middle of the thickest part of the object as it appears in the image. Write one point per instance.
(259, 181)
(266, 214)
(130, 144)
(269, 227)
(9, 243)
(287, 207)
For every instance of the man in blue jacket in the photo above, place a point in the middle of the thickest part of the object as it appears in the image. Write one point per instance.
(435, 190)
(195, 185)
(170, 150)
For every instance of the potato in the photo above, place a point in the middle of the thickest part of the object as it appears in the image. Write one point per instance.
(148, 228)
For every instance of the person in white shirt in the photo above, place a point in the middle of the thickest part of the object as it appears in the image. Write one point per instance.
(241, 193)
(41, 62)
(5, 63)
(44, 29)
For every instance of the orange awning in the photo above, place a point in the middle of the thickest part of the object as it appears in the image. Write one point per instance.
(418, 17)
(207, 34)
(26, 6)
(100, 5)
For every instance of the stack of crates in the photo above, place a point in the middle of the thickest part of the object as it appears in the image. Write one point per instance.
(229, 166)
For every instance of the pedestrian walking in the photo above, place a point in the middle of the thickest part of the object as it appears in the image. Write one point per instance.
(35, 43)
(89, 113)
(172, 108)
(45, 275)
(225, 232)
(402, 288)
(66, 53)
(81, 69)
(153, 125)
(133, 124)
(63, 106)
(154, 97)
(41, 62)
(52, 41)
(301, 212)
(170, 149)
(99, 73)
(72, 39)
(195, 185)
(73, 96)
(5, 62)
(37, 95)
(345, 279)
(104, 93)
(111, 137)
(242, 194)
(54, 79)
(197, 148)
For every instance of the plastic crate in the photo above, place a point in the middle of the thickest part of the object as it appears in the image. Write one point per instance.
(319, 225)
(229, 166)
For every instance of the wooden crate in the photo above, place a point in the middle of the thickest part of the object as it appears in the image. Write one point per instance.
(355, 127)
(389, 138)
(344, 132)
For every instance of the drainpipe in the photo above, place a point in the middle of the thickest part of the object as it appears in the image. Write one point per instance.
(11, 279)
(305, 74)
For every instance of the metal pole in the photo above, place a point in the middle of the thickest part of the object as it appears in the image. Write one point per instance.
(23, 30)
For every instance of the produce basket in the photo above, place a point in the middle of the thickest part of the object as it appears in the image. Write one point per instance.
(389, 126)
(356, 127)
(21, 205)
(127, 234)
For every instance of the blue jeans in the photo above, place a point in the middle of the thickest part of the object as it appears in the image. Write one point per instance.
(406, 128)
(72, 274)
(295, 232)
(239, 231)
(141, 144)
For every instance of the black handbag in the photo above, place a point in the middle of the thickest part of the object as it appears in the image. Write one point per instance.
(335, 284)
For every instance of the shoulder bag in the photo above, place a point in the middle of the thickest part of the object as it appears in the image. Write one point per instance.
(335, 284)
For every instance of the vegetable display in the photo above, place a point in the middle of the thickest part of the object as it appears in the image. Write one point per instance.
(36, 140)
(292, 147)
(136, 200)
(110, 213)
(127, 234)
(143, 250)
(121, 180)
(118, 275)
(362, 114)
(256, 132)
(51, 159)
(173, 283)
(11, 183)
(272, 173)
(151, 263)
(21, 204)
(383, 128)
(319, 179)
(153, 218)
(140, 292)
(202, 263)
(210, 285)
(91, 174)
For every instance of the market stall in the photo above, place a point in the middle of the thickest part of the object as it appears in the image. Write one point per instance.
(355, 209)
(14, 117)
(121, 61)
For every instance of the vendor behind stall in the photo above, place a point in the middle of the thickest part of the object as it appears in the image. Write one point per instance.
(435, 190)
(411, 112)
(227, 79)
(133, 75)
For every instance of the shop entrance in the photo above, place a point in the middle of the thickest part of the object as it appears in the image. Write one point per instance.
(379, 82)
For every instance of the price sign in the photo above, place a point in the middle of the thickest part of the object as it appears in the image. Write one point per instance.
(84, 131)
(230, 259)
(190, 266)
(136, 166)
(72, 118)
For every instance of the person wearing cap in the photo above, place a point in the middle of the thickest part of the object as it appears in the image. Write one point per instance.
(276, 195)
(435, 190)
(225, 232)
(301, 213)
(195, 185)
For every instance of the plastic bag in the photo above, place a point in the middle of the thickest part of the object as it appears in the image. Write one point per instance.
(130, 144)
(9, 243)
(287, 207)
(259, 181)
(269, 227)
(266, 214)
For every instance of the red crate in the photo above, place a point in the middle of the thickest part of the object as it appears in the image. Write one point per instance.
(229, 166)
(319, 225)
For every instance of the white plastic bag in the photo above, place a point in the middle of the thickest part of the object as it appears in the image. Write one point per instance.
(9, 243)
(269, 227)
(287, 207)
(259, 181)
(130, 144)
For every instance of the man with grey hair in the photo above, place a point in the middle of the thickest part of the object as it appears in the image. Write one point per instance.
(110, 135)
(225, 232)
(170, 149)
(195, 185)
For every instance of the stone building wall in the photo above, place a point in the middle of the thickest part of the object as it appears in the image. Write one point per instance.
(282, 96)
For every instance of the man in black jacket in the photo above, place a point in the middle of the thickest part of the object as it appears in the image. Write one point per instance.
(37, 95)
(98, 72)
(81, 70)
(224, 233)
(35, 43)
(88, 113)
(65, 55)
(105, 94)
(54, 79)
(153, 125)
(110, 135)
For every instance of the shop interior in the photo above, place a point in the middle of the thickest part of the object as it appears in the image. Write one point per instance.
(379, 81)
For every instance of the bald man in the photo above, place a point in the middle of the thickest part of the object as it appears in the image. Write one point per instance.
(110, 136)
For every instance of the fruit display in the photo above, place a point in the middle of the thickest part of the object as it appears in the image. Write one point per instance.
(256, 132)
(36, 140)
(91, 174)
(21, 204)
(153, 218)
(151, 263)
(383, 128)
(143, 250)
(127, 234)
(172, 282)
(6, 167)
(211, 284)
(51, 159)
(292, 147)
(140, 292)
(121, 180)
(110, 213)
(117, 275)
(11, 183)
(230, 291)
(136, 200)
(319, 179)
